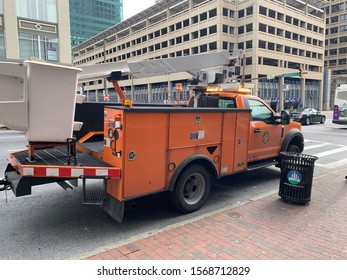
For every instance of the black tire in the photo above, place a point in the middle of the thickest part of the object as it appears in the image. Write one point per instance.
(322, 120)
(308, 121)
(293, 149)
(192, 189)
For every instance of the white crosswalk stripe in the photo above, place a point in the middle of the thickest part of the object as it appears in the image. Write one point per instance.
(333, 163)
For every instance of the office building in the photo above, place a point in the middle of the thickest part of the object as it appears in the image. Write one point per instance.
(336, 44)
(278, 38)
(89, 17)
(35, 28)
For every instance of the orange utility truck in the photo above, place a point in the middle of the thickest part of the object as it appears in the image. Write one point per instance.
(135, 150)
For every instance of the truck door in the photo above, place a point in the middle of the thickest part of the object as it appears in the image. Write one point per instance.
(265, 133)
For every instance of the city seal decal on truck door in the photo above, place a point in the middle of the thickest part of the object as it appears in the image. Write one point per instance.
(197, 119)
(266, 137)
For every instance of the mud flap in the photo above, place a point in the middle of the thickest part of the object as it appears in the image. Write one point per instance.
(114, 208)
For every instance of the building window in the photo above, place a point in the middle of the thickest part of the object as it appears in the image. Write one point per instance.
(45, 10)
(241, 29)
(195, 19)
(203, 48)
(280, 16)
(272, 13)
(332, 62)
(225, 45)
(342, 50)
(289, 19)
(213, 46)
(270, 61)
(333, 52)
(342, 61)
(203, 32)
(262, 10)
(213, 29)
(225, 12)
(272, 30)
(262, 27)
(43, 47)
(249, 27)
(334, 30)
(342, 40)
(1, 8)
(249, 11)
(213, 13)
(343, 28)
(186, 23)
(262, 44)
(241, 13)
(296, 22)
(333, 41)
(203, 16)
(249, 44)
(337, 8)
(225, 28)
(240, 46)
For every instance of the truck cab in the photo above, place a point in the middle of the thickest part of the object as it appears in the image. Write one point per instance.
(270, 132)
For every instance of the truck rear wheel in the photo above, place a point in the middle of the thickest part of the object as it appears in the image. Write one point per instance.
(192, 189)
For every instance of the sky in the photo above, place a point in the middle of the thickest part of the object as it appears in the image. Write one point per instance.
(133, 7)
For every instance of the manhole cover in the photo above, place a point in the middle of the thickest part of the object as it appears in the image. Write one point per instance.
(234, 215)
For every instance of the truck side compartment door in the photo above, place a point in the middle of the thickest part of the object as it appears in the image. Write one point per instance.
(265, 135)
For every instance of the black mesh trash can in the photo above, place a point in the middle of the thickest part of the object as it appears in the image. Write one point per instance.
(296, 177)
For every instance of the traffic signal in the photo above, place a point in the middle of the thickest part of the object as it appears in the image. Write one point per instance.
(301, 72)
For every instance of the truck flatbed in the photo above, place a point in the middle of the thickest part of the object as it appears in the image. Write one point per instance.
(58, 156)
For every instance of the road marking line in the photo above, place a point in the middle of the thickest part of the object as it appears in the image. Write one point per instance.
(314, 146)
(327, 153)
(333, 165)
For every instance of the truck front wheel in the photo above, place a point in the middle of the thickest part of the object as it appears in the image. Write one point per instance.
(192, 189)
(293, 149)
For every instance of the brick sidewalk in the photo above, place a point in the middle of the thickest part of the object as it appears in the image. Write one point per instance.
(265, 229)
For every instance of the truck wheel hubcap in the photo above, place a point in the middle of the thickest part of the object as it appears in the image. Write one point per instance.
(194, 188)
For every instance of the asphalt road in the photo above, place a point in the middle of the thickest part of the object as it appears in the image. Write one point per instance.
(52, 224)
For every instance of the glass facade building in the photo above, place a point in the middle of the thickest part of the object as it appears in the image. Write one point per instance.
(89, 17)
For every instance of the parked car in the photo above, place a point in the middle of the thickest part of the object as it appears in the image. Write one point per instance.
(307, 116)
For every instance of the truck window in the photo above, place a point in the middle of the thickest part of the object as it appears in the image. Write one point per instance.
(227, 103)
(259, 111)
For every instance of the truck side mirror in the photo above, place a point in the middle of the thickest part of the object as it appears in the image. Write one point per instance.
(285, 117)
